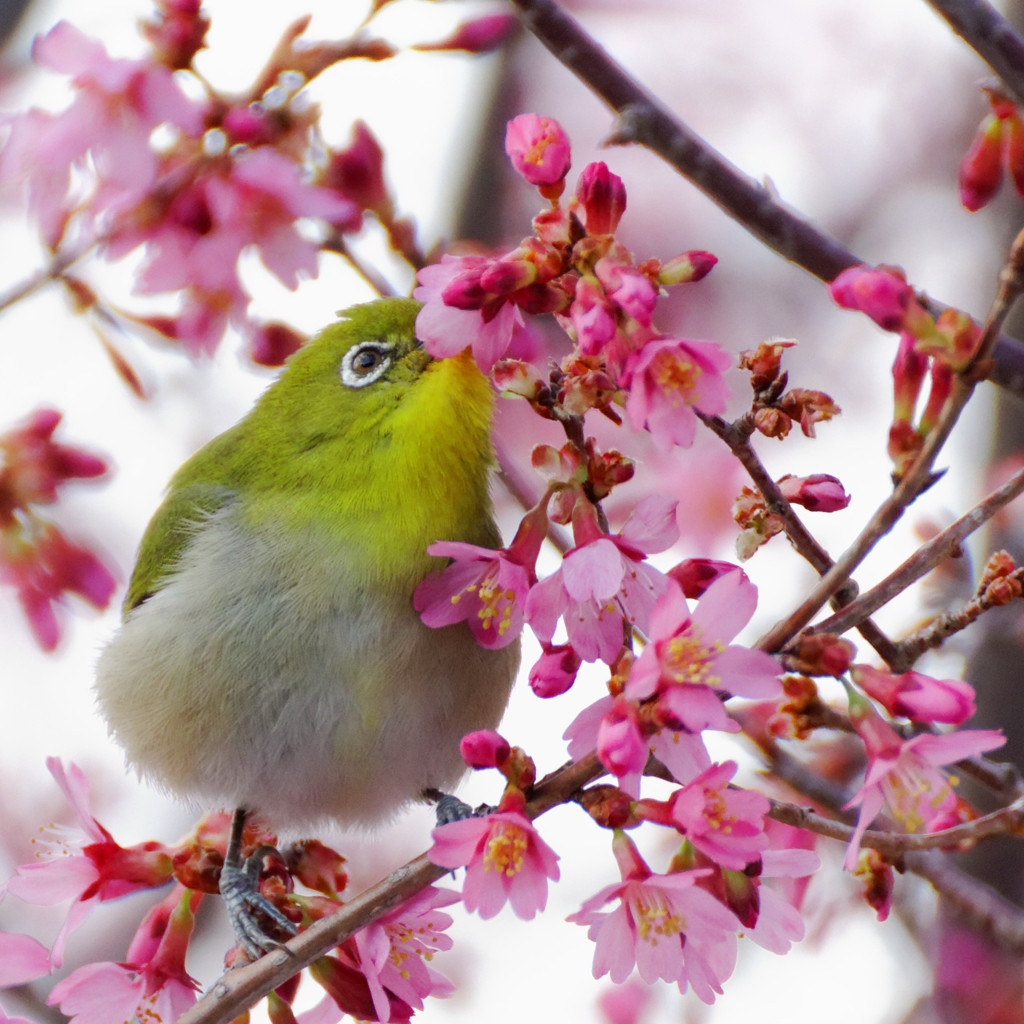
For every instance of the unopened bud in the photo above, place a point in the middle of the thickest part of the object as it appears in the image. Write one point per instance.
(686, 267)
(484, 749)
(981, 170)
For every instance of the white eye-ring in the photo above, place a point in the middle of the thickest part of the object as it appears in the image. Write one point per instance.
(365, 362)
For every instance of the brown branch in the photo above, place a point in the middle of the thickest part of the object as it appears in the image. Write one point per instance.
(922, 561)
(36, 280)
(991, 36)
(737, 436)
(644, 120)
(243, 987)
(919, 476)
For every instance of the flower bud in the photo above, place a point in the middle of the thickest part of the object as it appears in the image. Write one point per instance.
(686, 267)
(358, 172)
(917, 696)
(621, 746)
(981, 170)
(808, 407)
(772, 422)
(1013, 150)
(819, 492)
(764, 362)
(821, 654)
(695, 575)
(484, 749)
(481, 35)
(881, 294)
(538, 148)
(628, 289)
(554, 671)
(908, 372)
(609, 807)
(603, 198)
(317, 866)
(270, 344)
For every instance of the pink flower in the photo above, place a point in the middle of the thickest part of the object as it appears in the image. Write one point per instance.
(538, 148)
(484, 749)
(487, 588)
(630, 290)
(394, 951)
(33, 466)
(357, 172)
(593, 317)
(725, 824)
(664, 925)
(620, 739)
(601, 198)
(687, 658)
(667, 379)
(917, 696)
(604, 579)
(117, 105)
(505, 859)
(880, 294)
(555, 670)
(625, 1004)
(97, 870)
(152, 985)
(45, 565)
(819, 492)
(22, 959)
(902, 774)
(446, 330)
(482, 35)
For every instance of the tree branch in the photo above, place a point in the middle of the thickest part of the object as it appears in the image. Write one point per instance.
(644, 120)
(243, 987)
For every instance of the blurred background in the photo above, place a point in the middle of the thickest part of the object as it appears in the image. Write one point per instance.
(856, 113)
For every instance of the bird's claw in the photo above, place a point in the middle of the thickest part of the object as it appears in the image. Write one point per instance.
(450, 808)
(239, 888)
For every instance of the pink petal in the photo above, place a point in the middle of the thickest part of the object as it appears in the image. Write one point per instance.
(871, 803)
(748, 673)
(528, 893)
(68, 50)
(98, 994)
(726, 607)
(955, 746)
(792, 863)
(615, 951)
(778, 924)
(682, 753)
(483, 891)
(594, 570)
(545, 604)
(582, 730)
(652, 527)
(22, 959)
(455, 844)
(326, 1011)
(75, 786)
(54, 880)
(671, 614)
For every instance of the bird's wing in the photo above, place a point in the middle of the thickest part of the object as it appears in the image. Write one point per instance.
(172, 527)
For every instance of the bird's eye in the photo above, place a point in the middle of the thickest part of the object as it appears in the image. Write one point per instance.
(365, 362)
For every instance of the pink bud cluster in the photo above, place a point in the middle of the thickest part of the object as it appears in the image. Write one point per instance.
(36, 558)
(574, 267)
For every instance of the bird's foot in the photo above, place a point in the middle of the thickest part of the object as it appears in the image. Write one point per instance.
(450, 808)
(239, 886)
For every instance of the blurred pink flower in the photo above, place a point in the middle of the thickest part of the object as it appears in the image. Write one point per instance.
(85, 865)
(625, 1004)
(605, 579)
(538, 148)
(667, 379)
(505, 860)
(394, 951)
(917, 696)
(665, 925)
(819, 492)
(903, 774)
(687, 659)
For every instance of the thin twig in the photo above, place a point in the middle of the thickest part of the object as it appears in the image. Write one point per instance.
(991, 36)
(644, 120)
(737, 436)
(919, 476)
(36, 280)
(368, 273)
(243, 987)
(923, 560)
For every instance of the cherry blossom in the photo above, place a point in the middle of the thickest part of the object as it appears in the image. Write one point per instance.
(86, 865)
(665, 925)
(687, 658)
(484, 587)
(903, 774)
(151, 985)
(604, 580)
(394, 951)
(538, 148)
(917, 696)
(669, 378)
(505, 860)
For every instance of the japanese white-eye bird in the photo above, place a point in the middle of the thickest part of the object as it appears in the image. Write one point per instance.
(270, 657)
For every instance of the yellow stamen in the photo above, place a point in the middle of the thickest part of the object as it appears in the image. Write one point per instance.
(676, 376)
(506, 849)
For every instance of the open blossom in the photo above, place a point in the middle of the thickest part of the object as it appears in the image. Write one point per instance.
(605, 579)
(687, 658)
(487, 588)
(665, 926)
(917, 696)
(903, 774)
(152, 985)
(505, 860)
(538, 148)
(394, 951)
(446, 330)
(669, 378)
(86, 866)
(725, 824)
